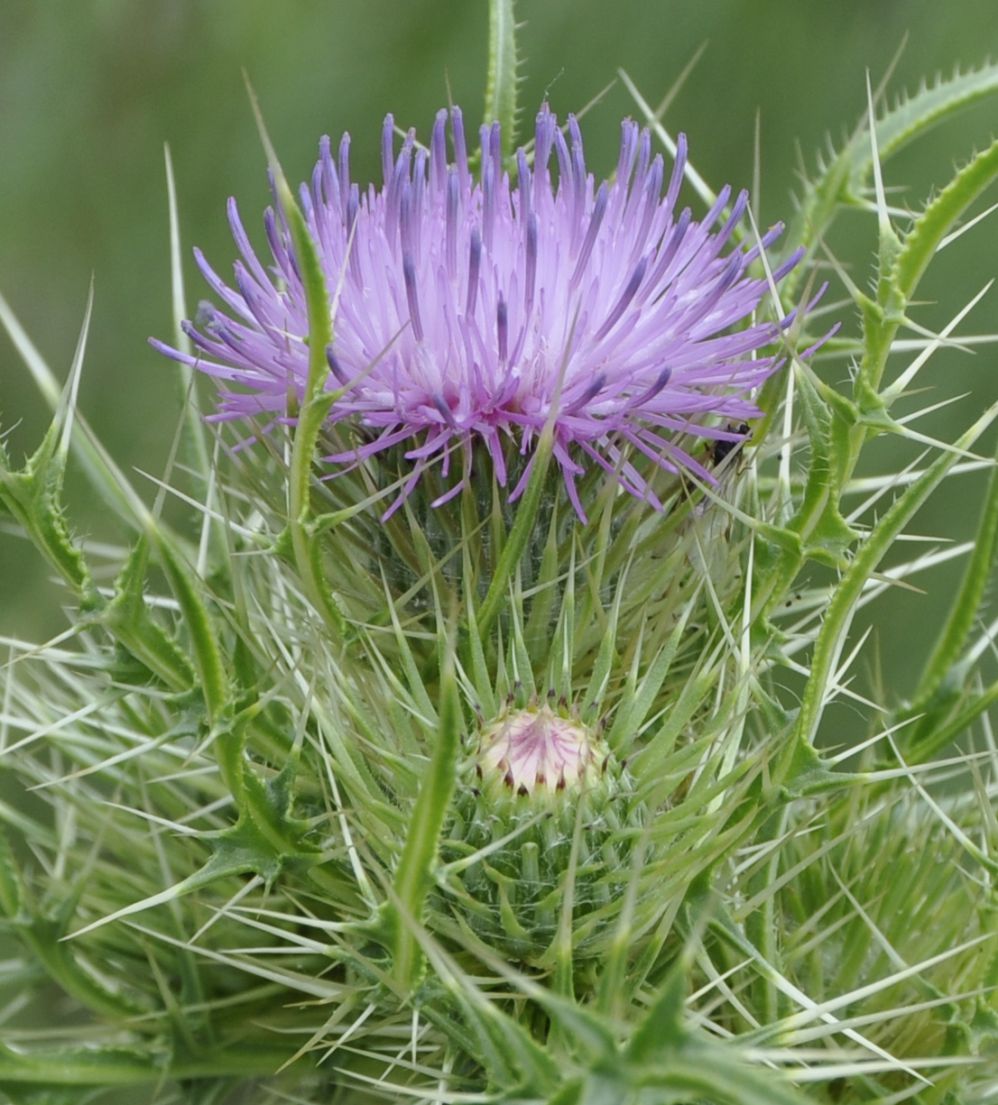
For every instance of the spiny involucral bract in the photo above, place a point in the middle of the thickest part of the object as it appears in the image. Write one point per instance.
(544, 812)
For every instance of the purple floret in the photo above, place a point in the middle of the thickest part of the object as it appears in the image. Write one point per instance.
(468, 310)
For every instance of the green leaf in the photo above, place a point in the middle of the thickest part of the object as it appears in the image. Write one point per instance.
(33, 496)
(500, 88)
(519, 536)
(516, 1064)
(606, 658)
(481, 676)
(42, 934)
(538, 629)
(844, 179)
(212, 679)
(121, 1066)
(963, 613)
(267, 832)
(127, 618)
(104, 475)
(840, 611)
(716, 1074)
(244, 849)
(112, 1066)
(828, 418)
(49, 1095)
(915, 115)
(662, 1029)
(193, 444)
(637, 704)
(193, 447)
(943, 732)
(11, 890)
(936, 221)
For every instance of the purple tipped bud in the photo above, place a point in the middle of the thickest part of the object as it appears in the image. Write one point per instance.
(537, 751)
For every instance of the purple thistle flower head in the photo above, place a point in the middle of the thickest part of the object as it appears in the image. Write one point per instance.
(469, 311)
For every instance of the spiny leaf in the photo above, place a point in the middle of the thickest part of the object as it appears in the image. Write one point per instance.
(962, 614)
(717, 1074)
(936, 221)
(11, 890)
(128, 619)
(519, 535)
(662, 1029)
(103, 474)
(828, 421)
(946, 731)
(243, 849)
(44, 937)
(122, 1066)
(194, 450)
(913, 116)
(213, 681)
(634, 708)
(844, 178)
(33, 496)
(842, 606)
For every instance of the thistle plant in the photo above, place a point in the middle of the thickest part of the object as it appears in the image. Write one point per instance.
(495, 729)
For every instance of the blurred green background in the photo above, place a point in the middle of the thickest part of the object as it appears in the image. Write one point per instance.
(90, 90)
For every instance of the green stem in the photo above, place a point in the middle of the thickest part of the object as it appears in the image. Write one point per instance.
(414, 875)
(314, 410)
(500, 88)
(315, 402)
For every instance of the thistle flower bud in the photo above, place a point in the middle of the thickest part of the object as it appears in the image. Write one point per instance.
(536, 751)
(540, 786)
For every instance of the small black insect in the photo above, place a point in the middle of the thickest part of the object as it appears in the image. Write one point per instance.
(721, 450)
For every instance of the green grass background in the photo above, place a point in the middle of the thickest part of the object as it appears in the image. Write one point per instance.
(91, 89)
